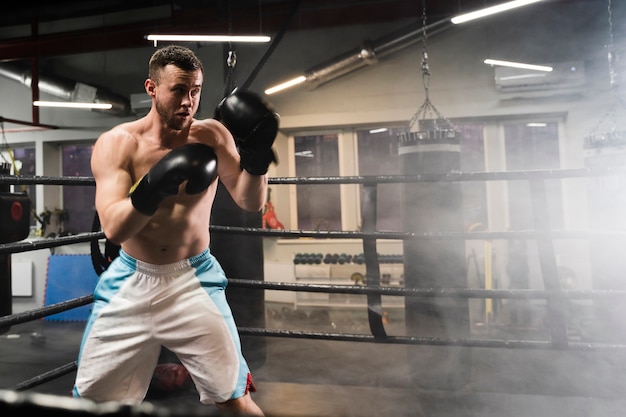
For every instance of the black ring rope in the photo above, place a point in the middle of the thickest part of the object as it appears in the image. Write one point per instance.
(45, 377)
(523, 294)
(546, 174)
(26, 316)
(24, 246)
(27, 245)
(45, 180)
(7, 321)
(347, 337)
(429, 341)
(343, 234)
(408, 340)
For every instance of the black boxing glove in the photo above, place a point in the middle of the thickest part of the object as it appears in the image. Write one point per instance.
(194, 162)
(254, 125)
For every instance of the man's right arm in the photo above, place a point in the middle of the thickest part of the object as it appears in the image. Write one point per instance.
(110, 165)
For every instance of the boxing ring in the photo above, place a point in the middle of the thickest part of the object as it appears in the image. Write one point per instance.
(17, 398)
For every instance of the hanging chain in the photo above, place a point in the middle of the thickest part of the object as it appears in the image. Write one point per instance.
(613, 135)
(231, 59)
(425, 68)
(427, 110)
(611, 47)
(613, 58)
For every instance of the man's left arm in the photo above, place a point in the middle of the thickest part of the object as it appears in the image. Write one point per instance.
(254, 126)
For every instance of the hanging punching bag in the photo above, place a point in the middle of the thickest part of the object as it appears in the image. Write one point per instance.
(607, 201)
(434, 207)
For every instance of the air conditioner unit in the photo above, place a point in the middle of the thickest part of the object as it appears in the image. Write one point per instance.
(564, 75)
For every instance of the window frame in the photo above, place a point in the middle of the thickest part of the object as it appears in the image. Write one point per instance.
(494, 159)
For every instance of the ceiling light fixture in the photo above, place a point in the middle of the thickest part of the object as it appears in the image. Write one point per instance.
(521, 65)
(208, 38)
(491, 10)
(285, 85)
(73, 105)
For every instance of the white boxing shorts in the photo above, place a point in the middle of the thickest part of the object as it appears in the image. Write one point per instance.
(139, 307)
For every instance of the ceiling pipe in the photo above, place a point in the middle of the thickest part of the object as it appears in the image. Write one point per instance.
(67, 90)
(369, 53)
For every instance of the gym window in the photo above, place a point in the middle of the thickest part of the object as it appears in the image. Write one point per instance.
(371, 152)
(532, 146)
(78, 201)
(319, 206)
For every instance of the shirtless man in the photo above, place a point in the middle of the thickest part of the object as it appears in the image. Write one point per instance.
(155, 186)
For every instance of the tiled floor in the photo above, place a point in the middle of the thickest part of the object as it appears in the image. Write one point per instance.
(319, 378)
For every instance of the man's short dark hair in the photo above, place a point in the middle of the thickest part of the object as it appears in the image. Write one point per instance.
(180, 56)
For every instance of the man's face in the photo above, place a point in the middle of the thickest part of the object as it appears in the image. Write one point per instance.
(177, 96)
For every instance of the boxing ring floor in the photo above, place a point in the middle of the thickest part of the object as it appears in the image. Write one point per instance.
(301, 377)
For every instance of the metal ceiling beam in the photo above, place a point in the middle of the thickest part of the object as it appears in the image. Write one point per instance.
(317, 14)
(77, 42)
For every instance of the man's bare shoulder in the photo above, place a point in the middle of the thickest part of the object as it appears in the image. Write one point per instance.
(208, 131)
(115, 149)
(206, 123)
(123, 137)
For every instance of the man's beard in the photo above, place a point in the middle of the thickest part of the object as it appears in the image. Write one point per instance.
(169, 119)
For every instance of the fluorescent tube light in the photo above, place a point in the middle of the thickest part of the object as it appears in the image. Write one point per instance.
(208, 38)
(381, 130)
(518, 65)
(305, 154)
(522, 76)
(491, 10)
(285, 85)
(73, 105)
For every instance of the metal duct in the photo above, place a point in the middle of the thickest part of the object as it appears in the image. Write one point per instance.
(369, 53)
(68, 90)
